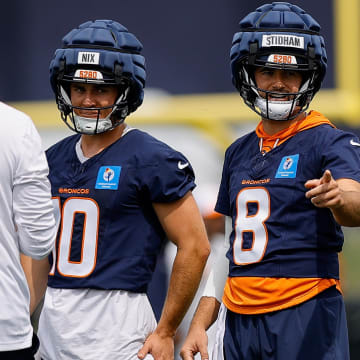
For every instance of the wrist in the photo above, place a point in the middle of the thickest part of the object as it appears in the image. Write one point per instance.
(197, 327)
(164, 331)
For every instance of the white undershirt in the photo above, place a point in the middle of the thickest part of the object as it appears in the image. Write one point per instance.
(82, 158)
(216, 281)
(94, 324)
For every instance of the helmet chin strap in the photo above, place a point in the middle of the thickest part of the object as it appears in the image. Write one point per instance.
(91, 126)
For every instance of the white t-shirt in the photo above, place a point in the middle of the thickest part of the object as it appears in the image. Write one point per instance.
(27, 222)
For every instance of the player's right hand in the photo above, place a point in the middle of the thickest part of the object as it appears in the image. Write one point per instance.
(195, 342)
(325, 192)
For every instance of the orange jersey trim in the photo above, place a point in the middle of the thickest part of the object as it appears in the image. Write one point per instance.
(258, 295)
(313, 119)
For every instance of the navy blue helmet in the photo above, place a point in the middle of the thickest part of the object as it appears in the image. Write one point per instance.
(280, 36)
(99, 52)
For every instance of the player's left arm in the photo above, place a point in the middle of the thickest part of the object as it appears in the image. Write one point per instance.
(341, 196)
(184, 226)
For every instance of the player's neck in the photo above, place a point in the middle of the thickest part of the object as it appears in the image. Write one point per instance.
(94, 144)
(272, 127)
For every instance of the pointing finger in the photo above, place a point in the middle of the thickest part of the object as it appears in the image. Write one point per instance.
(326, 178)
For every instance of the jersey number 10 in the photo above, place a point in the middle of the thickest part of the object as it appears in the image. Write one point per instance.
(61, 255)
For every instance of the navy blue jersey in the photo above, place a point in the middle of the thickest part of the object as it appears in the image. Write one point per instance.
(277, 231)
(109, 234)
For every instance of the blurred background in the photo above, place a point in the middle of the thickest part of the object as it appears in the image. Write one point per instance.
(189, 100)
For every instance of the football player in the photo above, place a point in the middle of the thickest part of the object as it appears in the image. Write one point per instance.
(118, 192)
(286, 189)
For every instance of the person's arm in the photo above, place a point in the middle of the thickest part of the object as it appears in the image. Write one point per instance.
(184, 226)
(197, 340)
(341, 196)
(36, 272)
(32, 204)
(208, 308)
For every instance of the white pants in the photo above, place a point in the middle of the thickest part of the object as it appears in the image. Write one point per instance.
(87, 324)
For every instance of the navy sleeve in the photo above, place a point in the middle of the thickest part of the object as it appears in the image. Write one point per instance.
(223, 202)
(169, 177)
(341, 155)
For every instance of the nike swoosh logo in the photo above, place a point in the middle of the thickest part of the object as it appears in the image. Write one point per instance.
(352, 142)
(183, 166)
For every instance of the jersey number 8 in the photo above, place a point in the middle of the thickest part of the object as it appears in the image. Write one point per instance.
(251, 223)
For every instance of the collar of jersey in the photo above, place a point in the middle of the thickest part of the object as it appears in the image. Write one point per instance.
(313, 119)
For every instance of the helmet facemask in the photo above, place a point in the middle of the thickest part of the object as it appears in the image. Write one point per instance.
(97, 124)
(261, 100)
